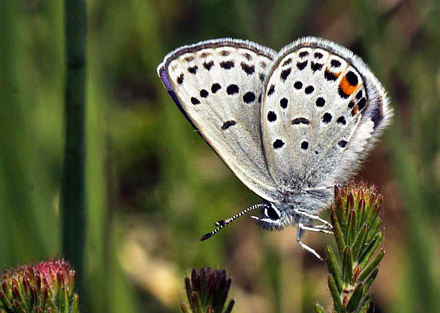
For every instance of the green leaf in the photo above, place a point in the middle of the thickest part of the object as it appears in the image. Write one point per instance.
(333, 268)
(337, 232)
(370, 267)
(369, 251)
(335, 295)
(373, 229)
(347, 266)
(319, 308)
(365, 305)
(370, 281)
(359, 241)
(349, 236)
(355, 298)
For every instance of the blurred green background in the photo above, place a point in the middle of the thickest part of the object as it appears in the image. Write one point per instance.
(154, 187)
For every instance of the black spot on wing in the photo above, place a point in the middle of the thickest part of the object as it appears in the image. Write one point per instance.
(271, 116)
(285, 73)
(303, 54)
(248, 69)
(362, 103)
(300, 120)
(180, 79)
(298, 85)
(278, 143)
(304, 145)
(208, 65)
(352, 78)
(271, 90)
(249, 97)
(195, 101)
(283, 103)
(247, 56)
(215, 87)
(228, 124)
(204, 93)
(329, 75)
(287, 62)
(225, 53)
(320, 102)
(342, 143)
(335, 63)
(301, 65)
(232, 89)
(327, 118)
(318, 55)
(193, 69)
(227, 65)
(308, 90)
(341, 120)
(316, 66)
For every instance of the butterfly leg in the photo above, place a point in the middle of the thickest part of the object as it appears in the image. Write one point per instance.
(325, 224)
(317, 229)
(303, 245)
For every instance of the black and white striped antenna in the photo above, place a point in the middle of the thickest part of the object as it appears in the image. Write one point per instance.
(223, 223)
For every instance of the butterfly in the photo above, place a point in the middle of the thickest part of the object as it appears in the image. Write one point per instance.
(290, 125)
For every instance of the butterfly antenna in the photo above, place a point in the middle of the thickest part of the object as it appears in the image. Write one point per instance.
(223, 223)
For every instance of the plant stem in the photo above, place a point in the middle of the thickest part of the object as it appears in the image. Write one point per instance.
(73, 197)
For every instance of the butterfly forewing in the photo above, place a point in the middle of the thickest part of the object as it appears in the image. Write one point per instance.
(313, 105)
(218, 85)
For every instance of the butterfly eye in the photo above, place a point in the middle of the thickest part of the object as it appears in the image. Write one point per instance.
(271, 213)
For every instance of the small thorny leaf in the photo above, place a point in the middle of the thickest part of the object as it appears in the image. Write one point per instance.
(352, 270)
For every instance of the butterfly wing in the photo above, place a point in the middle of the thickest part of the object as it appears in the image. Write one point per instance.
(322, 110)
(217, 84)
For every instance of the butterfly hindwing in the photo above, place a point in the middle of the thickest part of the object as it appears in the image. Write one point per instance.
(218, 86)
(319, 114)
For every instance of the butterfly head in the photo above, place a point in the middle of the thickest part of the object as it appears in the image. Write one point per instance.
(272, 217)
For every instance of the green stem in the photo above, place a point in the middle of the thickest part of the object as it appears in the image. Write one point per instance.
(73, 197)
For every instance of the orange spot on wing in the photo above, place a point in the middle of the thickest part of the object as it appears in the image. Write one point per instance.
(355, 110)
(346, 87)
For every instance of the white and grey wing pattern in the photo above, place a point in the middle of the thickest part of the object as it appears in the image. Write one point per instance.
(218, 85)
(322, 110)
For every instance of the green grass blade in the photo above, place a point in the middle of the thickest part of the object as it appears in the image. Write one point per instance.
(73, 197)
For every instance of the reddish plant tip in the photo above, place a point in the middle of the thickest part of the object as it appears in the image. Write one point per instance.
(39, 287)
(357, 191)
